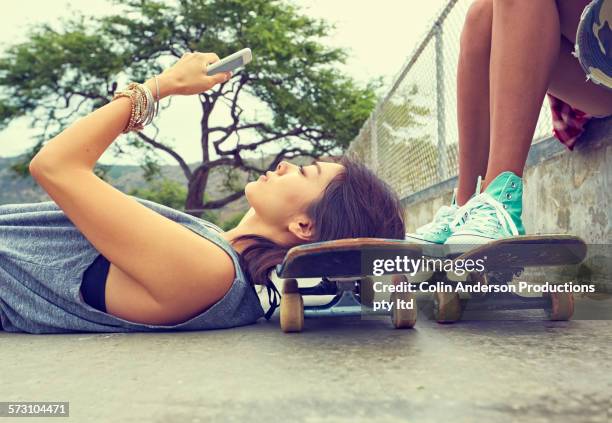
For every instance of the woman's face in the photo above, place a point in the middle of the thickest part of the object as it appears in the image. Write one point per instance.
(280, 196)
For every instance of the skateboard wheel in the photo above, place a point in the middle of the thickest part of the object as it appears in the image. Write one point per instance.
(561, 305)
(446, 307)
(366, 291)
(291, 307)
(403, 318)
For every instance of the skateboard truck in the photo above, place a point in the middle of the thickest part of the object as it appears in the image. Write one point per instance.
(352, 297)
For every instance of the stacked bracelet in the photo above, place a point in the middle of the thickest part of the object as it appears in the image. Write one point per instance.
(144, 106)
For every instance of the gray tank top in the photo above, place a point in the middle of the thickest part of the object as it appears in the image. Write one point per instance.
(43, 257)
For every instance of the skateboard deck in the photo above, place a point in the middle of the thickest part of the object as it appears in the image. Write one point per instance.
(343, 257)
(529, 251)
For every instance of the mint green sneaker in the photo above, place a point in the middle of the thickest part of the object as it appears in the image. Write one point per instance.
(491, 215)
(441, 227)
(438, 230)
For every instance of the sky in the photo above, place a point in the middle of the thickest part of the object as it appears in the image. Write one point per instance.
(379, 36)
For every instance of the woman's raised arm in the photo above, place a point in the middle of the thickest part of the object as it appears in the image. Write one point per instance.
(177, 267)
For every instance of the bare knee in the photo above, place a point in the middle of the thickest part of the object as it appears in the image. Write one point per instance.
(476, 33)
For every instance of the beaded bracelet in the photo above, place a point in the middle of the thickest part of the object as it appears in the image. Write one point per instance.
(144, 105)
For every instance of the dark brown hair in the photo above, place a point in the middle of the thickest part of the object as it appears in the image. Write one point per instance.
(356, 203)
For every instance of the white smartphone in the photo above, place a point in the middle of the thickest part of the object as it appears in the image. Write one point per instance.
(231, 62)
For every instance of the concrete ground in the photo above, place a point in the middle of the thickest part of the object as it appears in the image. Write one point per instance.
(337, 370)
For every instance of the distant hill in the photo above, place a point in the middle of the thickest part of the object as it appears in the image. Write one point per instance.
(15, 189)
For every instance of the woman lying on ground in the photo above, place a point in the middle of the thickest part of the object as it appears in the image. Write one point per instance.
(512, 54)
(97, 260)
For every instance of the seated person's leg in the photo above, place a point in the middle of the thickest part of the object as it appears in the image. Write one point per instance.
(472, 119)
(516, 96)
(524, 50)
(473, 97)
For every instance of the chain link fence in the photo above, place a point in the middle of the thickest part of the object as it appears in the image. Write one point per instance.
(411, 138)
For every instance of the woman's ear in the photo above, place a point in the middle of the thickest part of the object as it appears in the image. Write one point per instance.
(302, 228)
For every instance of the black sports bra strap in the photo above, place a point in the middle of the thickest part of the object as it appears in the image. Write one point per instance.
(273, 299)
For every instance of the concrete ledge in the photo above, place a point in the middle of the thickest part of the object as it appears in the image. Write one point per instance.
(565, 191)
(599, 132)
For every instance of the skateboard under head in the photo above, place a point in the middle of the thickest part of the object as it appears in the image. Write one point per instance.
(343, 257)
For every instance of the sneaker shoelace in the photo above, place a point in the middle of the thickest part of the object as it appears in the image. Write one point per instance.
(486, 215)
